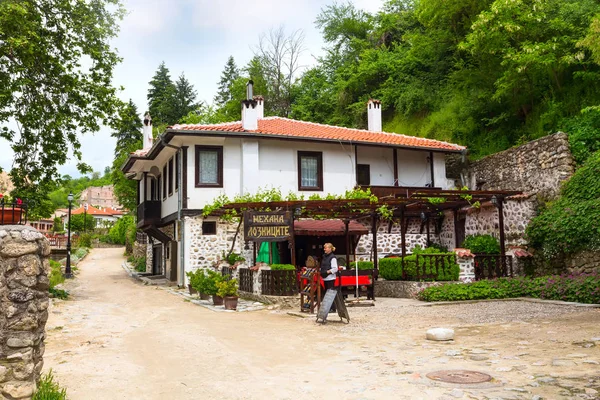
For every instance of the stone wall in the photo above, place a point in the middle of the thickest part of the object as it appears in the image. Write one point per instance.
(584, 262)
(24, 267)
(537, 167)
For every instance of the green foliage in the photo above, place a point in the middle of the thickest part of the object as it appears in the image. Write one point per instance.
(82, 251)
(56, 277)
(198, 280)
(58, 293)
(228, 76)
(119, 231)
(49, 389)
(570, 224)
(232, 258)
(482, 244)
(227, 288)
(581, 288)
(53, 105)
(211, 282)
(362, 265)
(84, 240)
(282, 267)
(584, 134)
(81, 221)
(394, 269)
(140, 264)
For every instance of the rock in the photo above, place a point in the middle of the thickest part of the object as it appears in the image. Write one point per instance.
(16, 342)
(453, 353)
(31, 235)
(18, 390)
(17, 248)
(29, 264)
(504, 369)
(457, 393)
(590, 391)
(20, 296)
(562, 363)
(440, 334)
(478, 357)
(3, 373)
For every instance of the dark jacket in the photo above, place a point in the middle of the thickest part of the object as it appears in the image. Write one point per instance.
(326, 264)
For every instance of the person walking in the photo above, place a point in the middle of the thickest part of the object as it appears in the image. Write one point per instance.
(329, 269)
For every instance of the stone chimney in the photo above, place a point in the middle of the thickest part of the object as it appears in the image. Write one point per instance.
(374, 115)
(249, 110)
(260, 106)
(147, 132)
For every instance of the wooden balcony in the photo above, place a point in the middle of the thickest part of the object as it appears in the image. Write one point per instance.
(148, 213)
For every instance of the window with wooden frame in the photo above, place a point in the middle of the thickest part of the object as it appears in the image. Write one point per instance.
(171, 176)
(209, 228)
(209, 166)
(363, 174)
(177, 171)
(310, 170)
(164, 191)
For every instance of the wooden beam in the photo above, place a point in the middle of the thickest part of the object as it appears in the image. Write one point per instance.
(403, 231)
(347, 236)
(355, 165)
(431, 168)
(184, 177)
(374, 233)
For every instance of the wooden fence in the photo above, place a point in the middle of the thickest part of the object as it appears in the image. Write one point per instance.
(432, 266)
(490, 266)
(226, 272)
(279, 283)
(246, 280)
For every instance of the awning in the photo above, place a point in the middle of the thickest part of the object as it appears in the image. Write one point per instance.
(328, 227)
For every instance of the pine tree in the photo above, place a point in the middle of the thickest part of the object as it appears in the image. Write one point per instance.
(228, 76)
(161, 97)
(185, 97)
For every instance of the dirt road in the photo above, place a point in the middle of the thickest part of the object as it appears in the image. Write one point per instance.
(118, 339)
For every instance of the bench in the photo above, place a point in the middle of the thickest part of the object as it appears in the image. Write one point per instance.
(347, 282)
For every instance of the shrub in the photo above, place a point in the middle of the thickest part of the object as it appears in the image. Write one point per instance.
(581, 288)
(198, 280)
(482, 244)
(58, 293)
(81, 252)
(233, 258)
(362, 265)
(211, 282)
(118, 232)
(140, 264)
(392, 268)
(48, 389)
(227, 288)
(282, 267)
(56, 277)
(84, 240)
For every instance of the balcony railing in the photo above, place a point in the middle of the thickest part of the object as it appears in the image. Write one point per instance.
(148, 213)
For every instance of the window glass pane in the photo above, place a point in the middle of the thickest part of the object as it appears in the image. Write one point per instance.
(209, 166)
(309, 171)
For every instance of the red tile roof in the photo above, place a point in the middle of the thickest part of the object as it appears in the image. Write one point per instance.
(328, 227)
(289, 128)
(97, 211)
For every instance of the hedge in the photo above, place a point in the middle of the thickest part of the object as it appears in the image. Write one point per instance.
(362, 265)
(391, 268)
(581, 288)
(282, 267)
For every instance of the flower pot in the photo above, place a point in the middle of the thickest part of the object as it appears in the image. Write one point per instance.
(10, 215)
(192, 290)
(230, 302)
(204, 296)
(217, 300)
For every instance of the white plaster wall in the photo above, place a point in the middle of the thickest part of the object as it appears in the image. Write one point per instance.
(439, 171)
(250, 166)
(278, 166)
(413, 168)
(381, 160)
(142, 189)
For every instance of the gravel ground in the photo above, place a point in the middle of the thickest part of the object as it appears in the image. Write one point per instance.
(403, 314)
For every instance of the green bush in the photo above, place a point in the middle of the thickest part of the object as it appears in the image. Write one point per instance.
(56, 277)
(391, 268)
(118, 232)
(227, 288)
(198, 280)
(211, 282)
(570, 224)
(482, 244)
(140, 264)
(362, 265)
(282, 267)
(84, 240)
(232, 258)
(58, 293)
(581, 288)
(48, 389)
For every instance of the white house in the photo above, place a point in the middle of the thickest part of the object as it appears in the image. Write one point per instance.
(189, 165)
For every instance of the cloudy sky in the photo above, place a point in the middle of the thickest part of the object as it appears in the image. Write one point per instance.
(195, 37)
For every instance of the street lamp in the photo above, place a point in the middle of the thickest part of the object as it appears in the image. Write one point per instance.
(68, 266)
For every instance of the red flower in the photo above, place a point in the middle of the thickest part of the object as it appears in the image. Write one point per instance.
(19, 202)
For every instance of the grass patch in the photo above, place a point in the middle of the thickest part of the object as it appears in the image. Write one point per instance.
(58, 293)
(48, 389)
(56, 276)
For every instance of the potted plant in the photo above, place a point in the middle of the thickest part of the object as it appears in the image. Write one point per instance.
(200, 287)
(211, 288)
(11, 211)
(192, 282)
(228, 290)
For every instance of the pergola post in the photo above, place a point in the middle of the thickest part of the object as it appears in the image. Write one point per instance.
(402, 231)
(501, 225)
(374, 232)
(347, 236)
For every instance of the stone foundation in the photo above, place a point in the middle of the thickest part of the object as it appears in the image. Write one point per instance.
(282, 301)
(584, 262)
(24, 267)
(402, 289)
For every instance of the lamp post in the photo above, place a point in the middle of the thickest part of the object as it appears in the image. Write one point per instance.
(68, 266)
(85, 207)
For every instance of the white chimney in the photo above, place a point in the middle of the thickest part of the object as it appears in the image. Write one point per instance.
(249, 110)
(147, 132)
(260, 106)
(374, 115)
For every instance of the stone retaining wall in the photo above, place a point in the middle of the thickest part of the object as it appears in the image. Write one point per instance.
(401, 289)
(282, 301)
(584, 262)
(24, 267)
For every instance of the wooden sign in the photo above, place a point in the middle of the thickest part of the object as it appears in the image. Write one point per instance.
(265, 226)
(330, 297)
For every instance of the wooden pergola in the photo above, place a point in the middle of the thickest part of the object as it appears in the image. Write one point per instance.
(402, 202)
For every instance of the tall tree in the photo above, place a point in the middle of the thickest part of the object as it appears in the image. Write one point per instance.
(127, 130)
(185, 97)
(161, 97)
(228, 76)
(55, 83)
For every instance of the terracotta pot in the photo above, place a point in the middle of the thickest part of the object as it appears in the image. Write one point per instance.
(192, 290)
(10, 216)
(230, 302)
(217, 300)
(204, 296)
